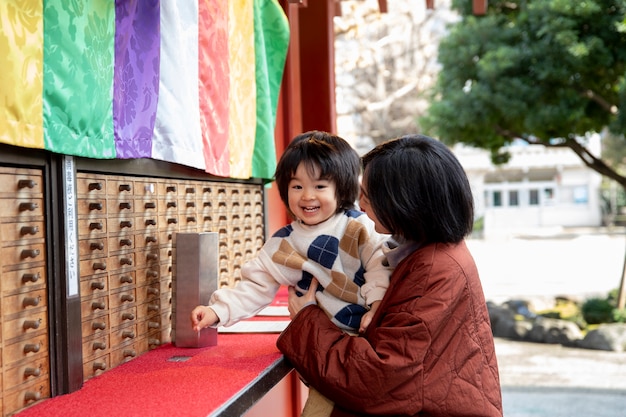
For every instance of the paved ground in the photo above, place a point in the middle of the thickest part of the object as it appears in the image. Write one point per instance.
(540, 380)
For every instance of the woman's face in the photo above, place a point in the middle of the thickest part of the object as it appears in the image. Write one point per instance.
(364, 204)
(311, 199)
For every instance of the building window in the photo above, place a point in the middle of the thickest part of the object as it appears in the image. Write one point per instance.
(534, 197)
(513, 198)
(497, 198)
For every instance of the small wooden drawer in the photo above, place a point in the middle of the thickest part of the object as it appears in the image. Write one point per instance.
(123, 316)
(31, 323)
(24, 279)
(23, 231)
(18, 182)
(23, 302)
(123, 335)
(125, 242)
(96, 285)
(96, 366)
(119, 187)
(90, 186)
(93, 248)
(92, 227)
(91, 307)
(122, 279)
(23, 254)
(96, 346)
(25, 372)
(25, 348)
(122, 299)
(95, 327)
(91, 207)
(24, 396)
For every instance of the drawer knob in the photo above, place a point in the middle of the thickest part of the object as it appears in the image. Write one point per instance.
(150, 205)
(29, 230)
(99, 266)
(96, 246)
(129, 353)
(128, 316)
(191, 220)
(190, 204)
(126, 298)
(26, 184)
(126, 223)
(32, 324)
(31, 301)
(95, 186)
(154, 342)
(31, 396)
(171, 204)
(98, 305)
(172, 221)
(153, 325)
(99, 346)
(98, 325)
(190, 190)
(99, 366)
(170, 189)
(153, 291)
(95, 226)
(124, 187)
(126, 206)
(97, 285)
(152, 274)
(151, 222)
(32, 347)
(95, 206)
(125, 242)
(153, 307)
(30, 277)
(30, 253)
(128, 334)
(152, 257)
(126, 279)
(28, 206)
(31, 372)
(126, 261)
(151, 239)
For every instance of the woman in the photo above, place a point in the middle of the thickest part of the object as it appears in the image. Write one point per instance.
(429, 349)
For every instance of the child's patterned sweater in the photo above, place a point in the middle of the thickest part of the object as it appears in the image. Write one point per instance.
(344, 253)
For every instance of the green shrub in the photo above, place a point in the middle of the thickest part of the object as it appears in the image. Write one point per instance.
(597, 310)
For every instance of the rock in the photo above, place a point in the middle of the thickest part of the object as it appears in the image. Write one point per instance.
(545, 330)
(606, 337)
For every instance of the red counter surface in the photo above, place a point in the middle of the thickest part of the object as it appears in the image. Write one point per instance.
(222, 380)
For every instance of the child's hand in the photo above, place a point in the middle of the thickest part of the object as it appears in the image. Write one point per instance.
(203, 316)
(295, 303)
(367, 317)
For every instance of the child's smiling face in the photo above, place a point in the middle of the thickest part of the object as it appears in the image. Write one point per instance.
(311, 199)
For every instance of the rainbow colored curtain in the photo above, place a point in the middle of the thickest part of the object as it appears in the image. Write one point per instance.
(193, 82)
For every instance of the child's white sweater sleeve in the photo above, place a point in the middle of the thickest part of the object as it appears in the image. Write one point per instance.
(377, 272)
(255, 291)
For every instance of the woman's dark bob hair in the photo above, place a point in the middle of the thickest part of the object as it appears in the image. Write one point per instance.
(336, 159)
(419, 190)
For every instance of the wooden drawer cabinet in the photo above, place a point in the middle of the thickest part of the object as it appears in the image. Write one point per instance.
(24, 360)
(126, 231)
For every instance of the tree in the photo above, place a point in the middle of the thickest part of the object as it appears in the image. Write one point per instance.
(544, 71)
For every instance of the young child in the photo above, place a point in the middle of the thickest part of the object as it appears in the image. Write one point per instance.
(318, 180)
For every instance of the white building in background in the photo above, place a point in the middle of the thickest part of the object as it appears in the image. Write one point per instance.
(540, 190)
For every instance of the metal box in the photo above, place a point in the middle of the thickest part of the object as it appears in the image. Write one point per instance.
(195, 279)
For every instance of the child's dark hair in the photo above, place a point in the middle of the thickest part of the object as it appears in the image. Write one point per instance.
(336, 159)
(418, 189)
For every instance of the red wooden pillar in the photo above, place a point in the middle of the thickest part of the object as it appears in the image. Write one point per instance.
(317, 65)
